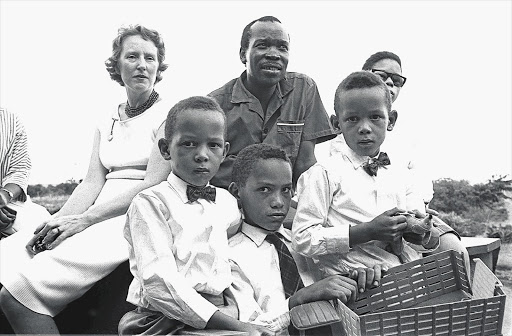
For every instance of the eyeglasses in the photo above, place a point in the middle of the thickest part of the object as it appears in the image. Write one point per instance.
(398, 80)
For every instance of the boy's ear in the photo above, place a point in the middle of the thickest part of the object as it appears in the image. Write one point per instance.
(235, 191)
(393, 116)
(226, 149)
(335, 122)
(163, 145)
(243, 57)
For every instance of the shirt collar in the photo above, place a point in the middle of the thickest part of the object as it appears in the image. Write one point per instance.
(356, 159)
(179, 186)
(240, 93)
(258, 235)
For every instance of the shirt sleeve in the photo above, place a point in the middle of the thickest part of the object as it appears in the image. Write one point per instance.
(317, 125)
(242, 293)
(18, 170)
(311, 234)
(162, 285)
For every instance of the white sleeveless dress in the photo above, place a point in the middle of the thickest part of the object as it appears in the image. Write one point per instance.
(48, 281)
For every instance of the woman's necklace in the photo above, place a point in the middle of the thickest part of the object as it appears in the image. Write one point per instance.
(132, 112)
(135, 111)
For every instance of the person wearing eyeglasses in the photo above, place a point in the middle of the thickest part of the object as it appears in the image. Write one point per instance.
(388, 66)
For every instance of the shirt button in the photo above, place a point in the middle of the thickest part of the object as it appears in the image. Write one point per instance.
(265, 131)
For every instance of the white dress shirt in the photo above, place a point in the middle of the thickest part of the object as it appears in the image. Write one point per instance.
(336, 194)
(405, 153)
(257, 287)
(179, 248)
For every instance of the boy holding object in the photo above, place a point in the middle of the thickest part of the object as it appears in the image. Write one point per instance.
(354, 209)
(269, 278)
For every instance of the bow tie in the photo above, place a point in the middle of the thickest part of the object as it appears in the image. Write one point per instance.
(194, 193)
(374, 164)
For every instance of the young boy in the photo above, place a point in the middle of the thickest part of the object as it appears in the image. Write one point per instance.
(388, 66)
(268, 277)
(177, 231)
(352, 209)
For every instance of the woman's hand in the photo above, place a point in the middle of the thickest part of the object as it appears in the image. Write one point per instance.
(51, 233)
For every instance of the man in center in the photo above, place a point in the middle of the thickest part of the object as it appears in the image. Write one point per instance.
(267, 104)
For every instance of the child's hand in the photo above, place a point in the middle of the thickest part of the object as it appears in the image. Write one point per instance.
(388, 226)
(257, 330)
(368, 277)
(431, 211)
(332, 287)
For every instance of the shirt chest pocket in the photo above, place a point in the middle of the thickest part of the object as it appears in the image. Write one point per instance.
(289, 135)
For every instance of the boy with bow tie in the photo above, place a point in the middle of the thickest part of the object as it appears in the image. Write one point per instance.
(177, 232)
(353, 210)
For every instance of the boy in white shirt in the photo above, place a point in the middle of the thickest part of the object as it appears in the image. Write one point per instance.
(388, 66)
(177, 232)
(269, 277)
(352, 208)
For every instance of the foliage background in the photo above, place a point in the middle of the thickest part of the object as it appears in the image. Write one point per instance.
(475, 210)
(471, 209)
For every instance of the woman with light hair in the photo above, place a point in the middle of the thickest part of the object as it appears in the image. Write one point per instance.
(47, 269)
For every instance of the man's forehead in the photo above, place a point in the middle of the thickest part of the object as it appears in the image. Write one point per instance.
(268, 29)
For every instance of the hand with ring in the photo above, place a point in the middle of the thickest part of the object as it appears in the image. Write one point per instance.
(51, 233)
(42, 242)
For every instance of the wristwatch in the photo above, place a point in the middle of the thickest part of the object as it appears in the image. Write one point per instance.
(11, 195)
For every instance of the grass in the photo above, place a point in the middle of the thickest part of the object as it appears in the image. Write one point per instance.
(51, 203)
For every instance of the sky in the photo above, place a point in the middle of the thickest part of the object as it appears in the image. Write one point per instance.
(455, 107)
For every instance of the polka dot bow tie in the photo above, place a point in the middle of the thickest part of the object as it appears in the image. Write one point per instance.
(373, 165)
(195, 193)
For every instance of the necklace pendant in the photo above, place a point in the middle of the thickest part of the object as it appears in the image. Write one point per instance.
(110, 137)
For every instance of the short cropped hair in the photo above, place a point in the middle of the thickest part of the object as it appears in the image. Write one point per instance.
(370, 62)
(361, 80)
(246, 34)
(117, 47)
(202, 103)
(249, 156)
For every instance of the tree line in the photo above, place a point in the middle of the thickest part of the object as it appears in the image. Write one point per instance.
(471, 209)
